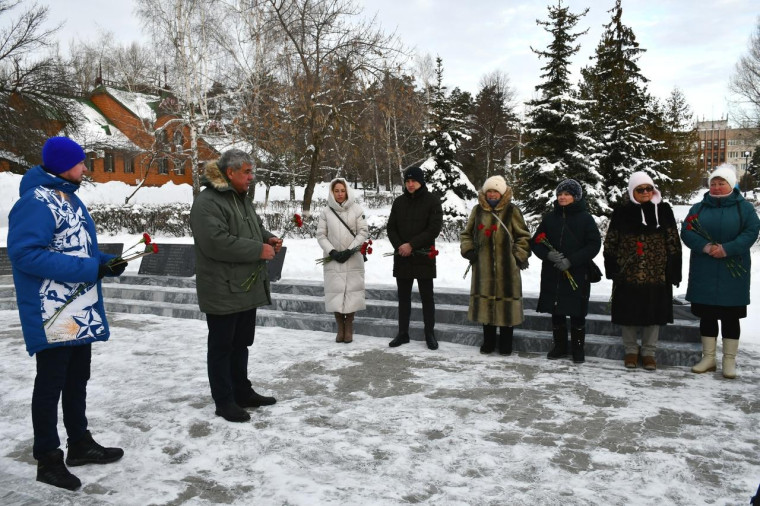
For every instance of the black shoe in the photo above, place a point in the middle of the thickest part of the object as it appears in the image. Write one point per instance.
(505, 340)
(559, 336)
(87, 451)
(255, 400)
(401, 338)
(578, 341)
(430, 340)
(232, 413)
(489, 340)
(51, 470)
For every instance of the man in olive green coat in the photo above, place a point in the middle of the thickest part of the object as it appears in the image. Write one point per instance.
(231, 250)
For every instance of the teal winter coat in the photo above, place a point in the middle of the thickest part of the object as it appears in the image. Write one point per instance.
(732, 222)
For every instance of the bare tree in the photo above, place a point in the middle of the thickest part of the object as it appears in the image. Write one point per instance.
(184, 29)
(32, 87)
(745, 82)
(322, 34)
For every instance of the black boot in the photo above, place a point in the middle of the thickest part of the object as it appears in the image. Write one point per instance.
(52, 470)
(401, 338)
(254, 400)
(87, 451)
(559, 333)
(578, 338)
(232, 413)
(489, 339)
(505, 340)
(430, 340)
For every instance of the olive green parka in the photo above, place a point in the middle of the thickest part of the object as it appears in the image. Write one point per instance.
(496, 287)
(228, 239)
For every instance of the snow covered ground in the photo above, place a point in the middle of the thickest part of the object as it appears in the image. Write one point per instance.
(367, 424)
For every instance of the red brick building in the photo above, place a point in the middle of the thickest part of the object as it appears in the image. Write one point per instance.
(130, 137)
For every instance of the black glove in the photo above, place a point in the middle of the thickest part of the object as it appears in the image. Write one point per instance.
(563, 264)
(109, 269)
(333, 254)
(344, 255)
(470, 255)
(554, 256)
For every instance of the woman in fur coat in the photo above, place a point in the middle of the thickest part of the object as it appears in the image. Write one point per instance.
(496, 242)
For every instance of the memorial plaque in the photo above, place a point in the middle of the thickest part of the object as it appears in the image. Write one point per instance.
(5, 262)
(171, 260)
(274, 266)
(112, 248)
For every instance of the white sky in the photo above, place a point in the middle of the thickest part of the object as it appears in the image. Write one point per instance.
(692, 44)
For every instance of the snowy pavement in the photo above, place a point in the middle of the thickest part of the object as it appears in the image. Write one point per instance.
(367, 424)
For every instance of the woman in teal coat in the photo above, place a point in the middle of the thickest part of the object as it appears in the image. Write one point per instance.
(720, 231)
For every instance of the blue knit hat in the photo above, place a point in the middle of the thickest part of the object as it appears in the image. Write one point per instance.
(416, 174)
(60, 154)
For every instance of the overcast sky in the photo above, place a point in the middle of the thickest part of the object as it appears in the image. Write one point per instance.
(691, 44)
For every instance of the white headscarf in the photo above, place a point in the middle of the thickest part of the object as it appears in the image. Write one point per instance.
(638, 179)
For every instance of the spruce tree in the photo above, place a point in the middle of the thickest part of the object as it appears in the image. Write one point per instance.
(443, 138)
(621, 110)
(557, 146)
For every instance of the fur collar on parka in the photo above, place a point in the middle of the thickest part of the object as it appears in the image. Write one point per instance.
(215, 178)
(506, 199)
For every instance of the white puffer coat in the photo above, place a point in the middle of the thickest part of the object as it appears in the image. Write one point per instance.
(344, 283)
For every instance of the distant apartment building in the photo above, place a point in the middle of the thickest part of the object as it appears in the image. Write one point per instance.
(719, 143)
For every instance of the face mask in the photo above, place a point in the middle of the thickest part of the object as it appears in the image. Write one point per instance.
(492, 202)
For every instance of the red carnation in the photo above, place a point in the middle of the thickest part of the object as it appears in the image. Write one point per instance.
(369, 251)
(146, 238)
(481, 226)
(155, 248)
(639, 248)
(494, 227)
(488, 232)
(540, 237)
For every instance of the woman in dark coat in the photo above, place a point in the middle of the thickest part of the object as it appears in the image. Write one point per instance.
(414, 223)
(719, 268)
(495, 241)
(572, 233)
(642, 255)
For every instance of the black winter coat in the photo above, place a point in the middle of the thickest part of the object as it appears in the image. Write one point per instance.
(572, 231)
(644, 261)
(415, 218)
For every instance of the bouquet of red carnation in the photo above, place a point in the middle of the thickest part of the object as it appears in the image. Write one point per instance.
(297, 220)
(365, 249)
(430, 252)
(541, 239)
(150, 249)
(734, 267)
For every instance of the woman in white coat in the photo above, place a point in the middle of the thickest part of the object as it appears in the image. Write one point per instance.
(341, 231)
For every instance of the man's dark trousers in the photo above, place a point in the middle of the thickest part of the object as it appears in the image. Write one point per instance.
(63, 373)
(229, 337)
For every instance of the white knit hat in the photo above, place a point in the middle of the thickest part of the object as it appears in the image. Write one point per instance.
(725, 171)
(638, 179)
(495, 183)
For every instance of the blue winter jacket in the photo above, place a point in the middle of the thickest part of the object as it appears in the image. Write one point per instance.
(54, 253)
(732, 222)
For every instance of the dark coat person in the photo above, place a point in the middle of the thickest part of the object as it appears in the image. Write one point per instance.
(642, 255)
(720, 231)
(496, 242)
(414, 223)
(231, 250)
(57, 268)
(572, 233)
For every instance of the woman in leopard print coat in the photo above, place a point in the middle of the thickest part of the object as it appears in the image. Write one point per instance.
(642, 255)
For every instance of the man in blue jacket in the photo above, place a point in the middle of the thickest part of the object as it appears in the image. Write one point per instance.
(57, 270)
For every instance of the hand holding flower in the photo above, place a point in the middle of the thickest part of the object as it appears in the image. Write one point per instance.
(405, 250)
(267, 252)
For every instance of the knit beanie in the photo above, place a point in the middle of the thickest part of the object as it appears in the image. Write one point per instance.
(416, 174)
(572, 187)
(726, 172)
(638, 179)
(60, 154)
(496, 183)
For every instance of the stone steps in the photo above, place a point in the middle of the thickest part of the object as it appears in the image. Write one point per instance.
(299, 305)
